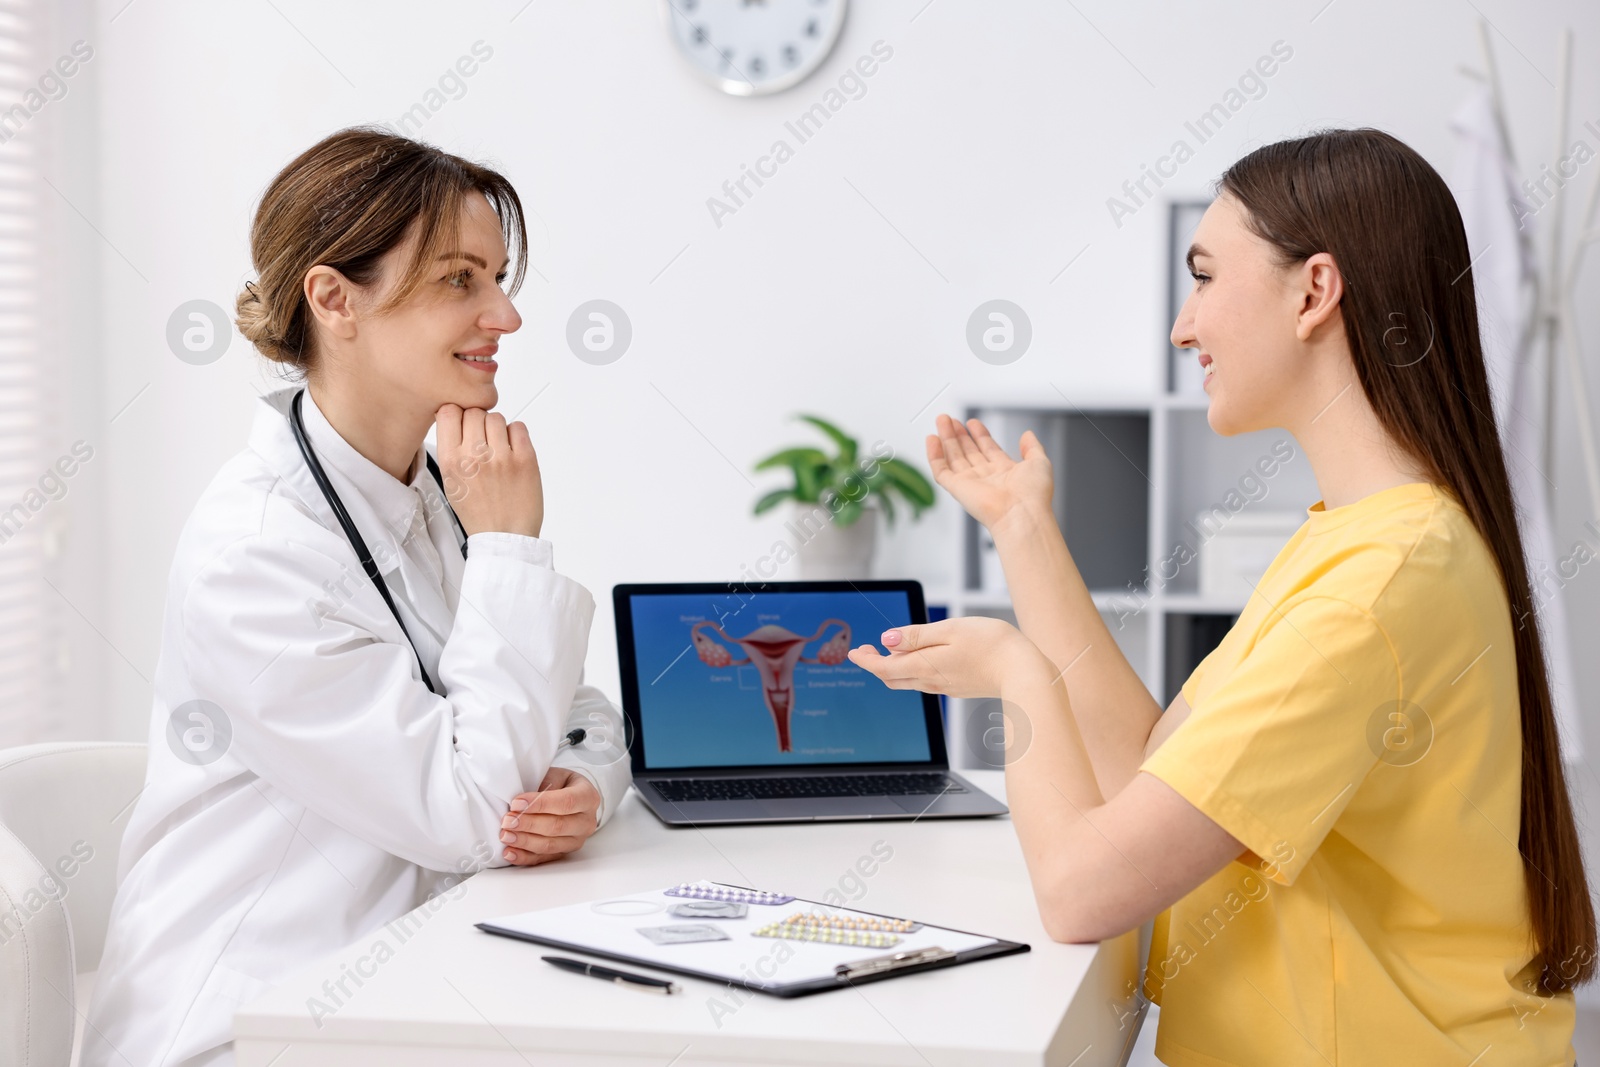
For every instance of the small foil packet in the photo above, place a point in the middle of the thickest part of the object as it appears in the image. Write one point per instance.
(711, 909)
(683, 933)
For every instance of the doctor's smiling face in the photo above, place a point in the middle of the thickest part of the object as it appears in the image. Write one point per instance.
(439, 345)
(1262, 328)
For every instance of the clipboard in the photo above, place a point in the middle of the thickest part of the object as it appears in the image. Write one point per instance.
(742, 958)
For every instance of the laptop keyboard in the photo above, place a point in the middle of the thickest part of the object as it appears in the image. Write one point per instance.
(679, 790)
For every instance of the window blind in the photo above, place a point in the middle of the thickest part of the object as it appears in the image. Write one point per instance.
(26, 615)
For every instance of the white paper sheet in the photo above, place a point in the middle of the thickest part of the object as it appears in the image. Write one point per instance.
(756, 962)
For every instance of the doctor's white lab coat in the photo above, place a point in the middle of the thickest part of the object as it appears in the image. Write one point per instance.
(323, 791)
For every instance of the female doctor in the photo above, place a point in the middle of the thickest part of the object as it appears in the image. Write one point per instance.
(362, 695)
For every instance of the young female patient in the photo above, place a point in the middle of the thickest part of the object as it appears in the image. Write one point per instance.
(1351, 826)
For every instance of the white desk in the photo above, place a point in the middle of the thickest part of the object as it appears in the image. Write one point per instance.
(452, 994)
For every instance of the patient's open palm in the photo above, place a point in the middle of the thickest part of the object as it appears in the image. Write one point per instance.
(975, 470)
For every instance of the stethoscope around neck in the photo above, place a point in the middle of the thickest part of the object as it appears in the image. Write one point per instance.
(354, 535)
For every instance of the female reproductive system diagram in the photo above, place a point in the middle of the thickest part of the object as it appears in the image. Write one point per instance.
(774, 651)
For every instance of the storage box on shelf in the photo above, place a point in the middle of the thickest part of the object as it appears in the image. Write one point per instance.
(1145, 490)
(1237, 554)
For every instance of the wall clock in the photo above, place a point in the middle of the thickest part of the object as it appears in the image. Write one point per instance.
(754, 47)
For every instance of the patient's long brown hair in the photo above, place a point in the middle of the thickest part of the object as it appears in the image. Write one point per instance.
(1390, 223)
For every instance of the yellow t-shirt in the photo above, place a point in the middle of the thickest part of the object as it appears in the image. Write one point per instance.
(1358, 730)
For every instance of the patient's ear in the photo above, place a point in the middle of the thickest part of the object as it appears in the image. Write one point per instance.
(1318, 288)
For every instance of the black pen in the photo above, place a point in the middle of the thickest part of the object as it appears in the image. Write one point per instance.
(594, 970)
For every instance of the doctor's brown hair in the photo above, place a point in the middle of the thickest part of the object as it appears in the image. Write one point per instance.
(347, 201)
(1390, 223)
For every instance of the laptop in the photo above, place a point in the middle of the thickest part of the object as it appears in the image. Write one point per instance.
(742, 707)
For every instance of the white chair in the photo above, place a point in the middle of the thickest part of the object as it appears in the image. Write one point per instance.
(63, 808)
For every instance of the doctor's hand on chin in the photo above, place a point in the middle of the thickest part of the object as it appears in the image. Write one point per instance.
(491, 473)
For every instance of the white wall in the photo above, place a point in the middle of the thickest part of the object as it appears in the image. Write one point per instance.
(991, 140)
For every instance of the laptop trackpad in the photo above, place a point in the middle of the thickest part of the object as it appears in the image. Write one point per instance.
(922, 804)
(829, 807)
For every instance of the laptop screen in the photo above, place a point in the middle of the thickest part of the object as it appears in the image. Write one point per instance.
(756, 676)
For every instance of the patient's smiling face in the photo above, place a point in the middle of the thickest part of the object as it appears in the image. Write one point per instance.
(1241, 317)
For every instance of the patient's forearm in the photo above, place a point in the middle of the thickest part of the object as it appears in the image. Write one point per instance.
(1051, 790)
(1114, 711)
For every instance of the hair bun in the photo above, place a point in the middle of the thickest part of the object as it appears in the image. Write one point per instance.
(253, 320)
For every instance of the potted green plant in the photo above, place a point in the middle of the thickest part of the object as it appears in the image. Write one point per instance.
(837, 498)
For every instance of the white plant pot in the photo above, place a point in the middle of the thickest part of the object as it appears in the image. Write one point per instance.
(831, 551)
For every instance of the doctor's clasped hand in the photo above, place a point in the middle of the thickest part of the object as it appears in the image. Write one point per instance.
(552, 822)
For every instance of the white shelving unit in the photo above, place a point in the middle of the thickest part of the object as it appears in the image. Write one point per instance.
(1132, 474)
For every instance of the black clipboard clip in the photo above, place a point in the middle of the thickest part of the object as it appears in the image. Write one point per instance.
(894, 961)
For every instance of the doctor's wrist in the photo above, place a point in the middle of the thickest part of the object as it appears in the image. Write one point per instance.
(568, 760)
(495, 543)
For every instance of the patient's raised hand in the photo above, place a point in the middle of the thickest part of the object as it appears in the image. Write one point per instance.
(552, 822)
(991, 485)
